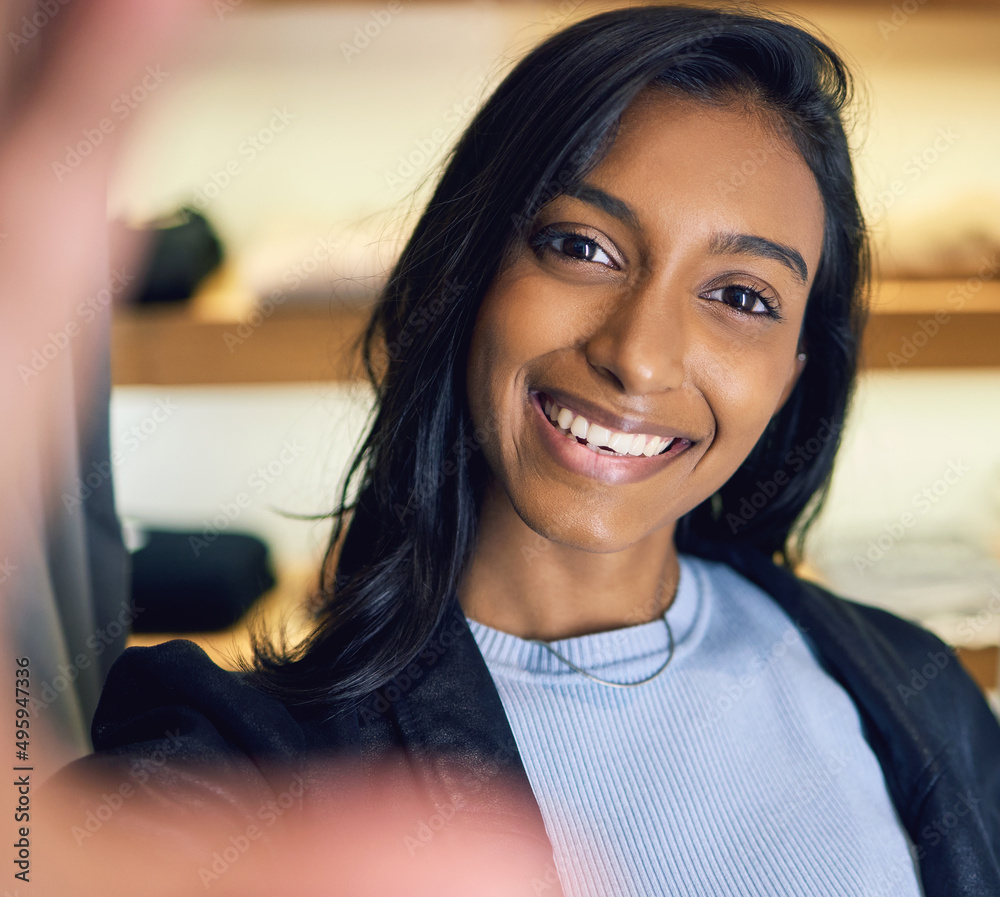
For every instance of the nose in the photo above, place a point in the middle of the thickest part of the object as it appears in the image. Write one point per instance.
(640, 343)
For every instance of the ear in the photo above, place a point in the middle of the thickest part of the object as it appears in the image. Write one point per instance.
(793, 377)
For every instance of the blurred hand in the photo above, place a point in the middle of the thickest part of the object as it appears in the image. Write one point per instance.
(337, 833)
(61, 70)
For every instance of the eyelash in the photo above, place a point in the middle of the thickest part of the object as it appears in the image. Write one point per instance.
(547, 236)
(770, 307)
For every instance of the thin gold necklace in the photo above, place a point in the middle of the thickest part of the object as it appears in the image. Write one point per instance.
(583, 672)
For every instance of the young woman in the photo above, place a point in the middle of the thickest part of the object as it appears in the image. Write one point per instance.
(612, 366)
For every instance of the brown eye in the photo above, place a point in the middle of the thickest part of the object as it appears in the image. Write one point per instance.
(744, 299)
(583, 249)
(573, 246)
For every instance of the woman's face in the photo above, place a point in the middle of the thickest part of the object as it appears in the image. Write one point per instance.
(663, 298)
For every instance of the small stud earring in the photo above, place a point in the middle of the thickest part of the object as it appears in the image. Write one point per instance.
(802, 356)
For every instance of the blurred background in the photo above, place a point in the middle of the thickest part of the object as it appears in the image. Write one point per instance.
(302, 137)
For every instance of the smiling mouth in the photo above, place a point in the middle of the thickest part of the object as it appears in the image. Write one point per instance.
(599, 439)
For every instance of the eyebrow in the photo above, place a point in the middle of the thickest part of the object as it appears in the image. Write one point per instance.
(614, 206)
(747, 244)
(722, 244)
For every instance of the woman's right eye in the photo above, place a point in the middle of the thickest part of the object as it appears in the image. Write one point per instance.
(572, 245)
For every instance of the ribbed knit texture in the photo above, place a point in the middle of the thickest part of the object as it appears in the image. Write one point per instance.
(741, 769)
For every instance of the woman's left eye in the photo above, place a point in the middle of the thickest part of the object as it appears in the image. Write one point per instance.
(573, 246)
(744, 299)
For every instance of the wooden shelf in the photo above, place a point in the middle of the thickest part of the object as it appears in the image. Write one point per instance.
(914, 324)
(932, 324)
(169, 347)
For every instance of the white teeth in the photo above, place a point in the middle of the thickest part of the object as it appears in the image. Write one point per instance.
(602, 440)
(638, 445)
(620, 442)
(579, 427)
(598, 435)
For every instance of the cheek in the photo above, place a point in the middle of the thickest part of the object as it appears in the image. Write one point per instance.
(519, 321)
(743, 392)
(500, 344)
(482, 376)
(534, 316)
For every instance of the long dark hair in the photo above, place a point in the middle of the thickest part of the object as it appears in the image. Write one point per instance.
(398, 552)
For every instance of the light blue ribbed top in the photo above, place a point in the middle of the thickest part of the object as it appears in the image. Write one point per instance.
(741, 769)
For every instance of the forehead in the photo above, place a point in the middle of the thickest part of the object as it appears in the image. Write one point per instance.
(691, 168)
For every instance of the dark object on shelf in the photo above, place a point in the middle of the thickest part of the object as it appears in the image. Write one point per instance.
(184, 250)
(183, 583)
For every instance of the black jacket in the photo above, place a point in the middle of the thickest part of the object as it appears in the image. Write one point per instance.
(934, 735)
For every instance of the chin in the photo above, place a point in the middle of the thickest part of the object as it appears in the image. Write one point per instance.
(593, 530)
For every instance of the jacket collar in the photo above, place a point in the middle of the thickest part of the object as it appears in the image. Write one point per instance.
(454, 728)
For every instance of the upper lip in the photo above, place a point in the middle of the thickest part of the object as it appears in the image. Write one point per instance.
(595, 414)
